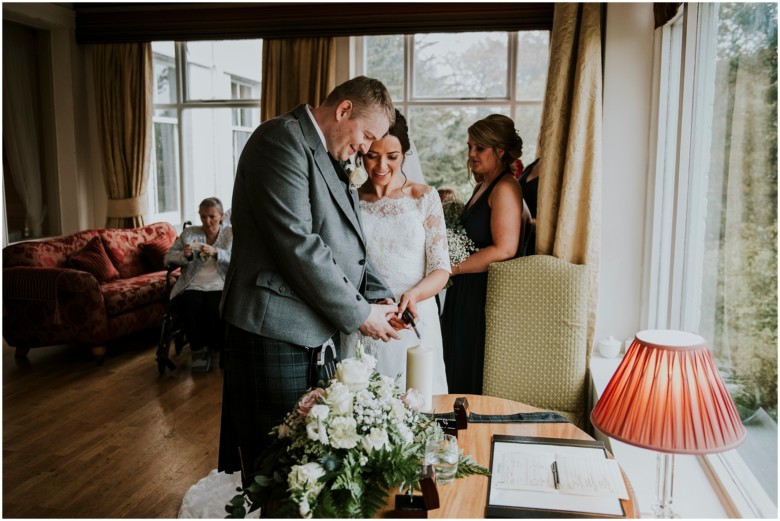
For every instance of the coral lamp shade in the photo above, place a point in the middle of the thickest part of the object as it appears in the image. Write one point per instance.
(668, 396)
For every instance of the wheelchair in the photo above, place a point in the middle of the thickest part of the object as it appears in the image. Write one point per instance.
(170, 329)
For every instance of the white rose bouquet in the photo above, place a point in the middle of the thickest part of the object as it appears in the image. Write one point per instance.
(343, 449)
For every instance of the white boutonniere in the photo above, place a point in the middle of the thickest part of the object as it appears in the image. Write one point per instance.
(357, 174)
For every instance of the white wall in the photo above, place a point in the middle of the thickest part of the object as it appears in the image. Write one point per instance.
(628, 67)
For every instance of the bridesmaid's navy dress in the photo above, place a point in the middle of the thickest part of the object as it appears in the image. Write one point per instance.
(463, 319)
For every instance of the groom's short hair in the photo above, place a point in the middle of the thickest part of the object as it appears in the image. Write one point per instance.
(366, 94)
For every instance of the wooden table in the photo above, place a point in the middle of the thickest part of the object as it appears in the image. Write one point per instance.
(467, 497)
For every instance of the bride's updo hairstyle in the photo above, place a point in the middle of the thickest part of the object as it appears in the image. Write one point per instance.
(400, 130)
(498, 131)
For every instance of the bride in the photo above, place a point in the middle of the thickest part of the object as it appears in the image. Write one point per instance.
(406, 241)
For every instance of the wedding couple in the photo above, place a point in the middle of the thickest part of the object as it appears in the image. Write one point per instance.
(307, 267)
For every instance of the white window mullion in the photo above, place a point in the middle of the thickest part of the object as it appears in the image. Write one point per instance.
(699, 163)
(357, 62)
(511, 70)
(408, 70)
(683, 164)
(183, 74)
(661, 188)
(650, 258)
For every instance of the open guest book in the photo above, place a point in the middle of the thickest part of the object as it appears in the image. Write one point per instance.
(553, 477)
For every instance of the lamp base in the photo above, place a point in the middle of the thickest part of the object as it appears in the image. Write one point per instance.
(663, 514)
(665, 474)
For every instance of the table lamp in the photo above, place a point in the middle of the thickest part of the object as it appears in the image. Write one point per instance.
(668, 396)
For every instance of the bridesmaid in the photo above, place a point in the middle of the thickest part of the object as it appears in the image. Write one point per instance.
(492, 219)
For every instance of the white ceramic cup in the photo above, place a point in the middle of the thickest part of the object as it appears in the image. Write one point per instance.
(610, 347)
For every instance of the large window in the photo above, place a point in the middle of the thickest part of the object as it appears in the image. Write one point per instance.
(445, 82)
(714, 229)
(207, 103)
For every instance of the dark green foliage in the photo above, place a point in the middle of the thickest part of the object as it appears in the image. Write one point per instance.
(468, 467)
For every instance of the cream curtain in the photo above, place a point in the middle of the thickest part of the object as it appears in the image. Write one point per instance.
(295, 71)
(123, 91)
(568, 216)
(20, 125)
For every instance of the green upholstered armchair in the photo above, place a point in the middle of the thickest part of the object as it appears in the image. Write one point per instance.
(536, 334)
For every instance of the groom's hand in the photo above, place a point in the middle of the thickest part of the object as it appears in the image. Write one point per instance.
(376, 325)
(395, 319)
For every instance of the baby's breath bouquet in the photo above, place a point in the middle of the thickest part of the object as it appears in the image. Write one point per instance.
(458, 242)
(343, 449)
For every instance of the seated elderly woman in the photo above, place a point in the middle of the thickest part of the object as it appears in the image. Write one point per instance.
(203, 252)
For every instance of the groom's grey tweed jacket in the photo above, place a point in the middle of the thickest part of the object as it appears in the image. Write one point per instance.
(299, 270)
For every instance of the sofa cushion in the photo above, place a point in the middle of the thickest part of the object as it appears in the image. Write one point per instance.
(154, 251)
(123, 246)
(48, 253)
(126, 295)
(93, 259)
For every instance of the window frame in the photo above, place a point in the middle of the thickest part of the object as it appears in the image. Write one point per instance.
(187, 204)
(170, 216)
(675, 216)
(410, 101)
(358, 52)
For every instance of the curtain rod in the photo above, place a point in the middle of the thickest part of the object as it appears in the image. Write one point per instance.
(123, 22)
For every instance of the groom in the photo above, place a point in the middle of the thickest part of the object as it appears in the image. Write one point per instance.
(298, 274)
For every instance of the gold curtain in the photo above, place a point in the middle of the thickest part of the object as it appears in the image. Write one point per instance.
(295, 71)
(568, 217)
(123, 91)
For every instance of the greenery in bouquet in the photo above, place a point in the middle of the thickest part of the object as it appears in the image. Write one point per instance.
(343, 449)
(453, 209)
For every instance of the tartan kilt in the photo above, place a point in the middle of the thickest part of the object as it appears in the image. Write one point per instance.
(264, 378)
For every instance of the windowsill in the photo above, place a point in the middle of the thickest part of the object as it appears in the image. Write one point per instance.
(694, 496)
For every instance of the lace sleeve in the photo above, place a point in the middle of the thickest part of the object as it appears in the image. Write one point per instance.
(437, 255)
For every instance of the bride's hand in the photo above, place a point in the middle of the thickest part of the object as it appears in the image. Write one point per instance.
(408, 301)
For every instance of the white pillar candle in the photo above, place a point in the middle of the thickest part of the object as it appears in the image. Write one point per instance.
(419, 373)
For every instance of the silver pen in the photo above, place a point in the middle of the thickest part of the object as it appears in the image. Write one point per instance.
(556, 479)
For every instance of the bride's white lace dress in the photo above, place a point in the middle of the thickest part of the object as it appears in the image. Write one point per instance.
(406, 240)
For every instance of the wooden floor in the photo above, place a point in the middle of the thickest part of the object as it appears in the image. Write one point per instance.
(111, 441)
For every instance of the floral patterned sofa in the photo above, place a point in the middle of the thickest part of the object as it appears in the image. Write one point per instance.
(86, 288)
